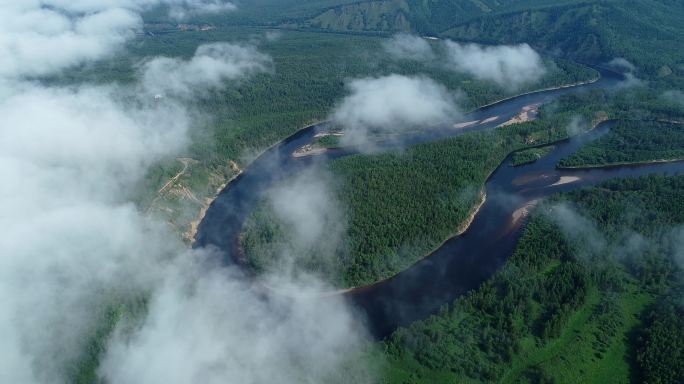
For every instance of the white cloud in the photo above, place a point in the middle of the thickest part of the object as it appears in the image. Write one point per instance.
(408, 47)
(391, 104)
(206, 325)
(72, 243)
(40, 37)
(308, 205)
(187, 8)
(209, 68)
(40, 41)
(623, 64)
(508, 66)
(579, 230)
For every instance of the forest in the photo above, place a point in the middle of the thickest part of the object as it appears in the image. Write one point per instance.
(572, 304)
(631, 142)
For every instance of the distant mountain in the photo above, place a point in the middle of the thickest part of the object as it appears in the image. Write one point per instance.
(648, 33)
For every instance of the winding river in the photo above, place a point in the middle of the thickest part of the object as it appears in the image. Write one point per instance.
(461, 263)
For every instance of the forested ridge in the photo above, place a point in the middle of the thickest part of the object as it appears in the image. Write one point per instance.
(568, 302)
(646, 32)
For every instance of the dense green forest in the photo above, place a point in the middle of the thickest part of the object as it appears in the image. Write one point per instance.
(631, 142)
(576, 302)
(660, 342)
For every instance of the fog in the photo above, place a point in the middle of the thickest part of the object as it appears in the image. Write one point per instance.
(577, 125)
(408, 47)
(212, 64)
(596, 249)
(392, 104)
(509, 66)
(628, 70)
(579, 230)
(308, 205)
(74, 246)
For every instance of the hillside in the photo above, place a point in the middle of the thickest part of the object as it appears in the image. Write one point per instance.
(644, 32)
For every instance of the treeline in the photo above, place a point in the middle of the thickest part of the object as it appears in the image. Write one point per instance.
(587, 268)
(631, 142)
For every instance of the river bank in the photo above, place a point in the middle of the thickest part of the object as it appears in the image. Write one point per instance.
(622, 164)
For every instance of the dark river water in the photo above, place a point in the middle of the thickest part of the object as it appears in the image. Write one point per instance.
(463, 262)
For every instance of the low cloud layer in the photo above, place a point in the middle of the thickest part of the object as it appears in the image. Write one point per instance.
(73, 245)
(408, 47)
(212, 65)
(506, 65)
(392, 104)
(206, 325)
(39, 37)
(628, 70)
(579, 230)
(308, 205)
(183, 9)
(509, 66)
(577, 125)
